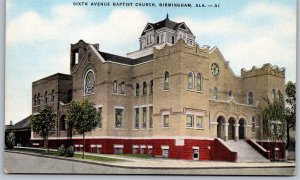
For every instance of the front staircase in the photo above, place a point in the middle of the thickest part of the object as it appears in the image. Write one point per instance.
(245, 153)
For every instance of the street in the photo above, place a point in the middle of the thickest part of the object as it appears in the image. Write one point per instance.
(23, 163)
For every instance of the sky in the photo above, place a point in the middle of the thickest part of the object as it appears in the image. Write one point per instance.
(39, 33)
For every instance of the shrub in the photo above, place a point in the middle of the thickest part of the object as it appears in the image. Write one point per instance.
(10, 140)
(61, 150)
(69, 151)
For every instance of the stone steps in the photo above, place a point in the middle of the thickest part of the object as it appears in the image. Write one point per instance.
(245, 153)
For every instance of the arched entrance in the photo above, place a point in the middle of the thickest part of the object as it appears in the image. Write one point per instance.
(231, 130)
(220, 127)
(241, 129)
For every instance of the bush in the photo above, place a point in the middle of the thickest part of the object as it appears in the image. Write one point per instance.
(69, 151)
(61, 150)
(10, 140)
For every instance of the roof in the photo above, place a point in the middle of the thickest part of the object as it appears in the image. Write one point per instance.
(23, 124)
(125, 60)
(168, 24)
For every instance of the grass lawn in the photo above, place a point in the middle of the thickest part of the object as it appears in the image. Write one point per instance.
(54, 153)
(145, 156)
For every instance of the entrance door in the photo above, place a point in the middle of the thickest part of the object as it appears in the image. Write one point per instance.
(220, 127)
(241, 129)
(195, 154)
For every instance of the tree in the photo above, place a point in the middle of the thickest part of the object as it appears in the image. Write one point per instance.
(83, 117)
(43, 124)
(290, 110)
(273, 118)
(10, 140)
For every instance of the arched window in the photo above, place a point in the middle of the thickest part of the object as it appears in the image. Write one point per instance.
(215, 93)
(122, 90)
(137, 89)
(52, 95)
(115, 87)
(190, 82)
(144, 88)
(46, 98)
(173, 39)
(157, 40)
(199, 82)
(34, 100)
(166, 80)
(151, 87)
(230, 93)
(89, 82)
(38, 99)
(250, 97)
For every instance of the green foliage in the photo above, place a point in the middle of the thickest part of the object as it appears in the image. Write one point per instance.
(10, 140)
(43, 123)
(82, 116)
(291, 104)
(273, 117)
(61, 150)
(69, 151)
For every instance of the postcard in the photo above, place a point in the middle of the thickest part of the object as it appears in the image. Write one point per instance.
(150, 88)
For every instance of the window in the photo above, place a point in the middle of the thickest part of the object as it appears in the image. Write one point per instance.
(46, 98)
(273, 95)
(144, 88)
(137, 89)
(52, 95)
(230, 93)
(118, 150)
(190, 80)
(135, 149)
(76, 57)
(115, 87)
(157, 39)
(150, 116)
(99, 110)
(34, 100)
(38, 99)
(215, 93)
(250, 97)
(142, 150)
(144, 123)
(149, 150)
(122, 91)
(136, 120)
(189, 120)
(165, 153)
(253, 124)
(166, 80)
(199, 82)
(173, 40)
(151, 87)
(89, 81)
(166, 120)
(118, 118)
(199, 123)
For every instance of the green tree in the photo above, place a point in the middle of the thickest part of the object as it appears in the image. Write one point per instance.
(290, 111)
(43, 124)
(83, 117)
(273, 118)
(10, 140)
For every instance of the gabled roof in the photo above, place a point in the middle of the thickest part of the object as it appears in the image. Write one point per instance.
(124, 60)
(23, 124)
(168, 24)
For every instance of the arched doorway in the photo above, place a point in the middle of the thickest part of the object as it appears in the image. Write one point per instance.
(220, 127)
(231, 130)
(241, 129)
(62, 123)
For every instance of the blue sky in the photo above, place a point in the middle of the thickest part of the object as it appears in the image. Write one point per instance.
(39, 34)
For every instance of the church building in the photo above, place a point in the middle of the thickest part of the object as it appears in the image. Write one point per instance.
(171, 98)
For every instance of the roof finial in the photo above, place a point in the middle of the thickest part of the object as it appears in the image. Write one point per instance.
(167, 16)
